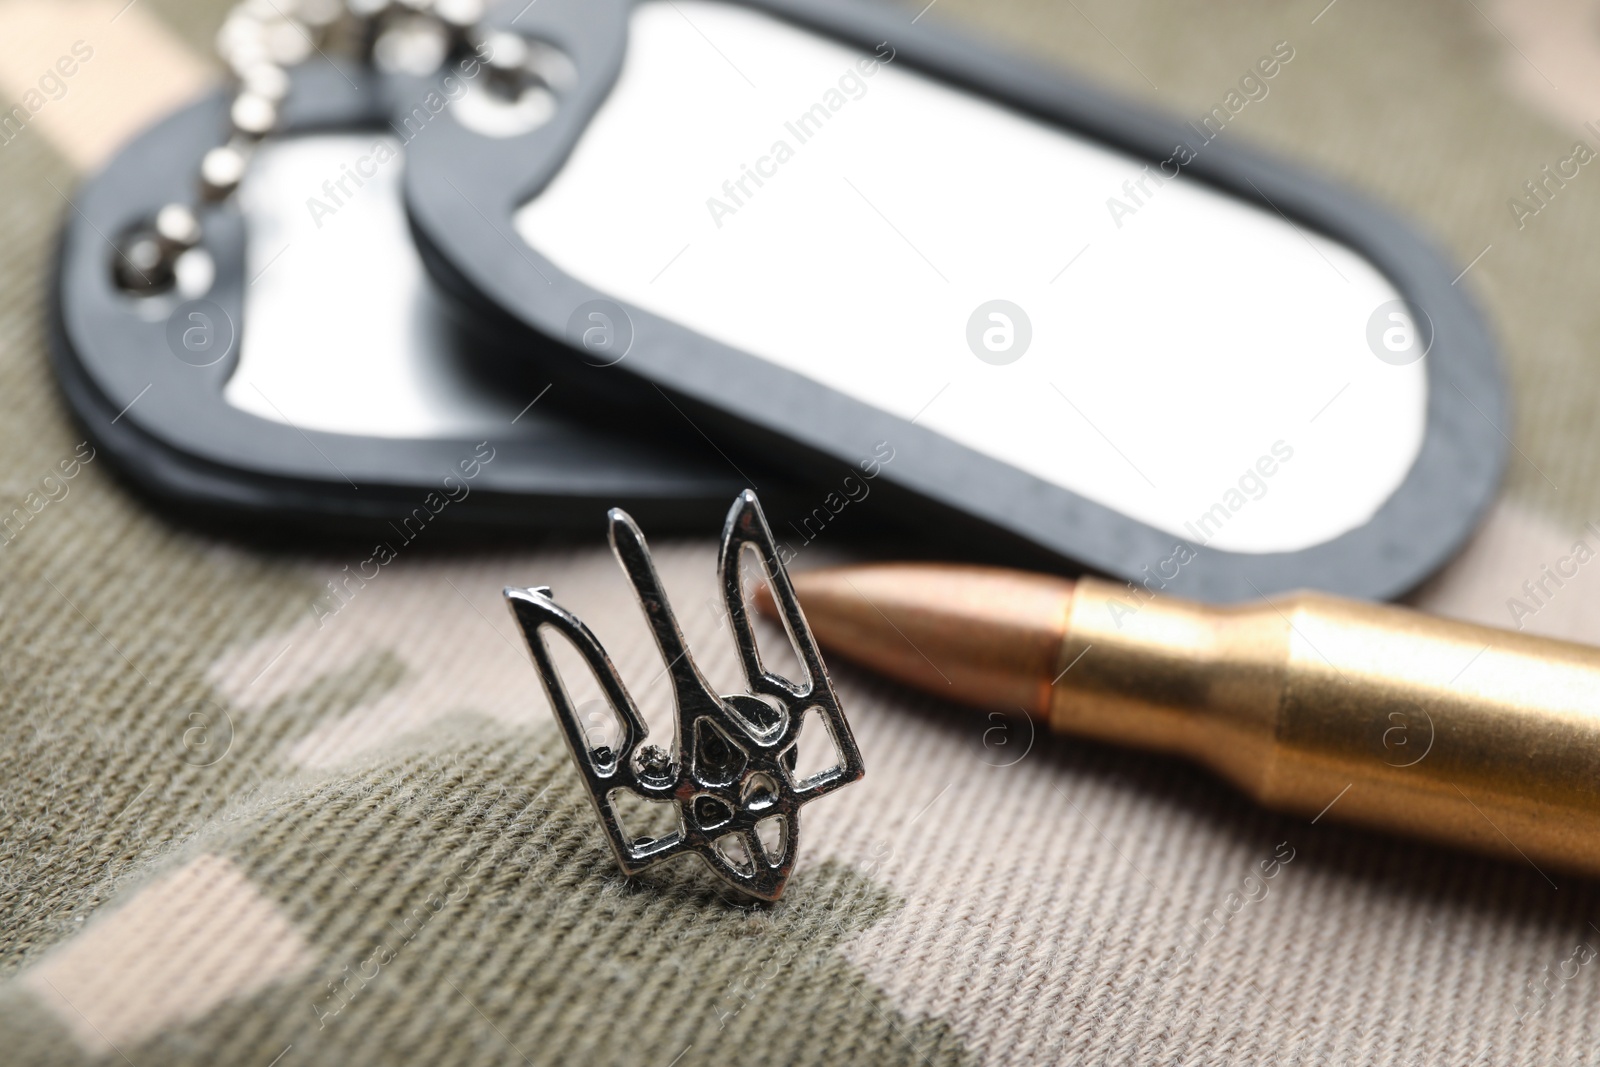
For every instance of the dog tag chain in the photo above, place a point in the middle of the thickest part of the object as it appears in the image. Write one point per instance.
(261, 39)
(731, 770)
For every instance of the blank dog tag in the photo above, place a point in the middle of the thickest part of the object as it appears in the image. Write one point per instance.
(1096, 335)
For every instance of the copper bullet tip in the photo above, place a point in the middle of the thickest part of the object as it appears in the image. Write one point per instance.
(975, 635)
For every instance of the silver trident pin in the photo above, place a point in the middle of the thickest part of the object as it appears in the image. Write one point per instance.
(731, 767)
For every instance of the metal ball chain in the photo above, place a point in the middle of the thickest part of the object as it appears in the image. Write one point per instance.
(259, 42)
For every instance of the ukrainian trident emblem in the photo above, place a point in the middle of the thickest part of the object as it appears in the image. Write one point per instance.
(730, 770)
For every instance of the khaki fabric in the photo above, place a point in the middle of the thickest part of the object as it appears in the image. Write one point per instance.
(233, 832)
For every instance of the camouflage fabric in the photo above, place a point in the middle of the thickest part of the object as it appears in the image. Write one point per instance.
(235, 831)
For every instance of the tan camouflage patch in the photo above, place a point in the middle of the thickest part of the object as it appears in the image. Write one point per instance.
(88, 74)
(182, 945)
(1524, 571)
(443, 622)
(447, 623)
(1552, 55)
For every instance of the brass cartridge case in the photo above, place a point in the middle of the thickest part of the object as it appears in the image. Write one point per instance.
(1370, 714)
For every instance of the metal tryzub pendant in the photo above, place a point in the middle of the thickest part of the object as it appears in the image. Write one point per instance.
(730, 769)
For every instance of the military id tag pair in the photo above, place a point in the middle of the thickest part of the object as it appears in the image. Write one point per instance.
(651, 253)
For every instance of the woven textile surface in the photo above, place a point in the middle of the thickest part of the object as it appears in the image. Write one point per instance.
(234, 830)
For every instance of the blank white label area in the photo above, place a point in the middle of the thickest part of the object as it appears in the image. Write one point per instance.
(850, 219)
(343, 330)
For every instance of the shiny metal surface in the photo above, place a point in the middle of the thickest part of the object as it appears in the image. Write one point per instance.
(352, 337)
(1362, 713)
(1400, 721)
(731, 767)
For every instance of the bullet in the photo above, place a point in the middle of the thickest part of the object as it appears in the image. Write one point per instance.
(1368, 714)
